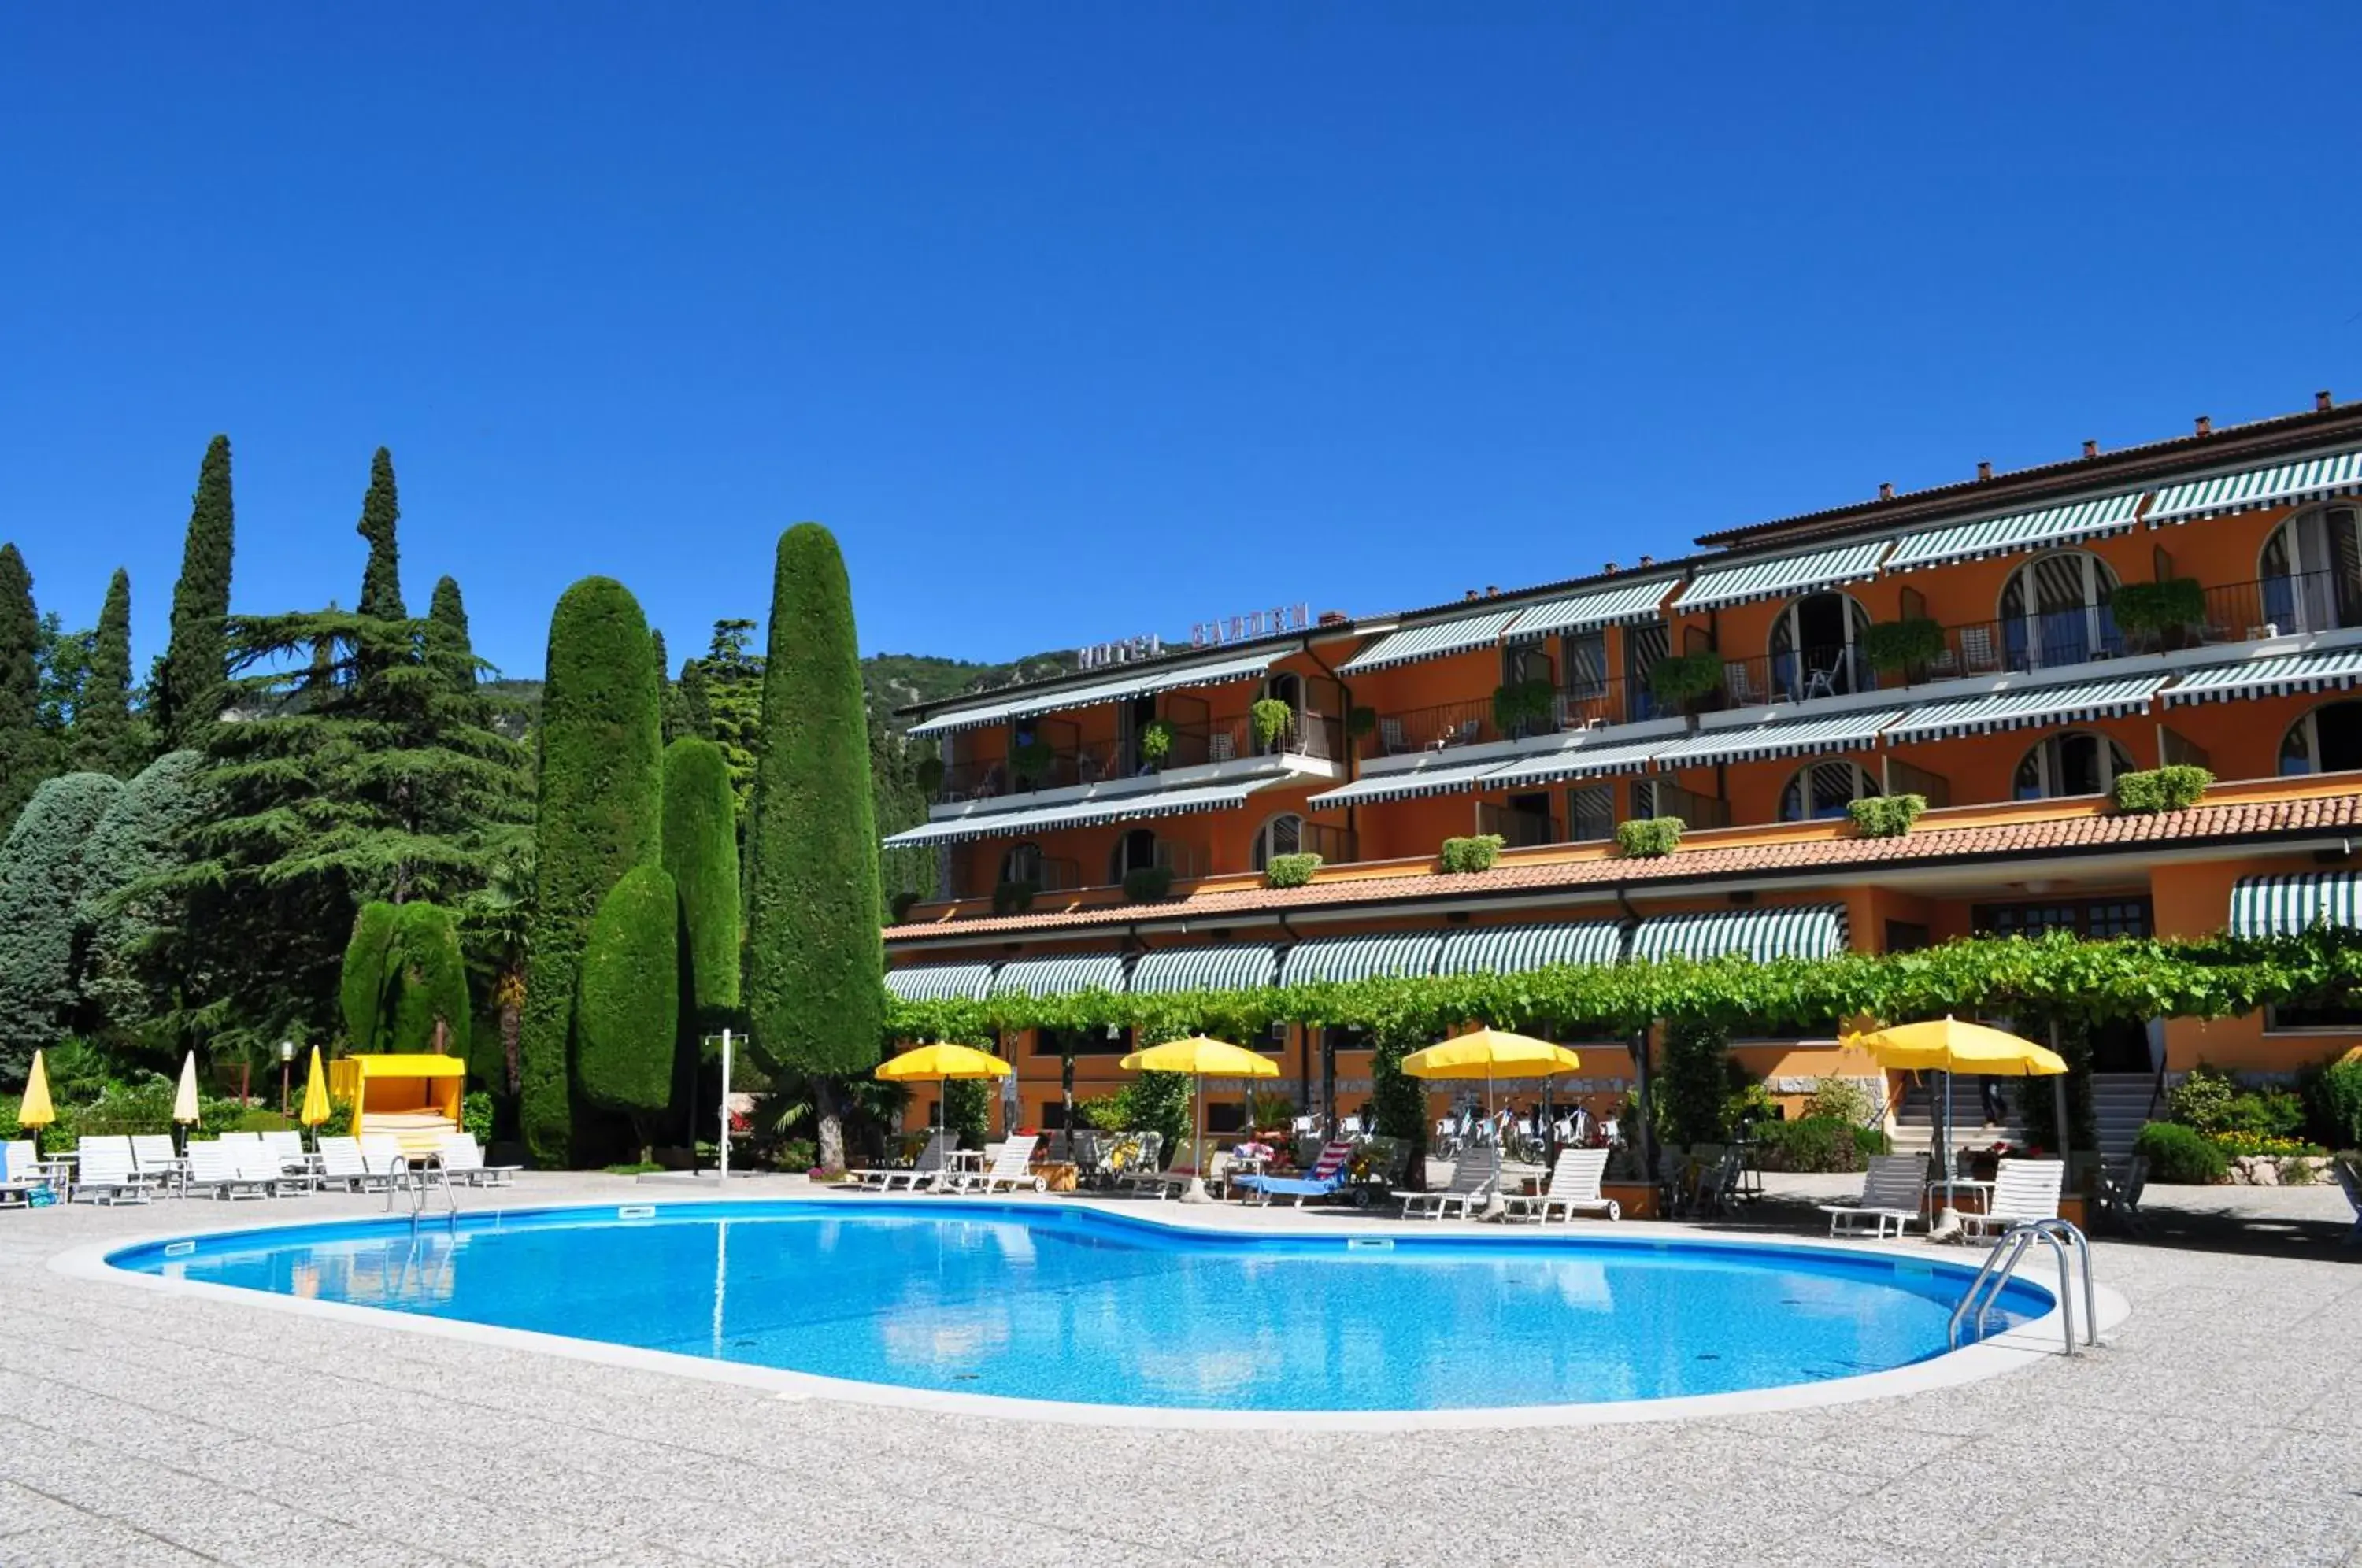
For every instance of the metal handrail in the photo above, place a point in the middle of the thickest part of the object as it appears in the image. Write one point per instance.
(429, 1173)
(1985, 1289)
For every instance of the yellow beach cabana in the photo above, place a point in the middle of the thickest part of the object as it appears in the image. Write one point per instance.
(413, 1097)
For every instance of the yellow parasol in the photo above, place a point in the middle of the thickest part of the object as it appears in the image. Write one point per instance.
(1948, 1045)
(37, 1112)
(943, 1062)
(1490, 1055)
(316, 1095)
(1201, 1058)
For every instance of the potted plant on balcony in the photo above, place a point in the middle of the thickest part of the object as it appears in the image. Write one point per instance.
(1894, 647)
(1029, 761)
(1361, 723)
(1271, 718)
(929, 775)
(2163, 615)
(1523, 707)
(1156, 741)
(1679, 679)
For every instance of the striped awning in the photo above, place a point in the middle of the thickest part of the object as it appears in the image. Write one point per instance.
(1620, 605)
(1059, 976)
(1437, 639)
(2338, 669)
(2024, 708)
(1574, 762)
(1437, 778)
(1514, 949)
(2280, 484)
(2290, 905)
(1807, 931)
(941, 982)
(2090, 518)
(1229, 966)
(1783, 575)
(1853, 730)
(1134, 807)
(1399, 956)
(1115, 689)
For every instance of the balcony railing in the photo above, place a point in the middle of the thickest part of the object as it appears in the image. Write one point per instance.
(1334, 846)
(1306, 735)
(1519, 830)
(1587, 705)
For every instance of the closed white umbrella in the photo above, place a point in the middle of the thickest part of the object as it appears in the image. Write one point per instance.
(185, 1103)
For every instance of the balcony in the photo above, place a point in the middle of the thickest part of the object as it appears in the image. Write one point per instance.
(1519, 830)
(1313, 736)
(1587, 705)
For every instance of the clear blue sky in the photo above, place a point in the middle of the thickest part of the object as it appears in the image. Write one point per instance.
(1087, 319)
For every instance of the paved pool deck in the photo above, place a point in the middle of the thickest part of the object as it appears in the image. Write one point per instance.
(2218, 1426)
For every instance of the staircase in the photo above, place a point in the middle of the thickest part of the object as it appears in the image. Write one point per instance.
(2119, 1104)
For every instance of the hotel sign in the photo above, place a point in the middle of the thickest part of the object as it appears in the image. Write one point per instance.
(1098, 656)
(1254, 624)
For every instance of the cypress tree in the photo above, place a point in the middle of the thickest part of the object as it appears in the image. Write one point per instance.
(105, 737)
(601, 815)
(41, 876)
(696, 708)
(447, 643)
(361, 988)
(26, 749)
(675, 716)
(629, 1011)
(194, 686)
(700, 852)
(380, 515)
(815, 989)
(429, 982)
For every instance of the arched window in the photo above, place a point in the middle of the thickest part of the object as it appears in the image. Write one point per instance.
(1022, 863)
(1282, 835)
(2055, 611)
(1135, 851)
(1825, 790)
(2327, 740)
(2312, 571)
(1815, 647)
(2076, 763)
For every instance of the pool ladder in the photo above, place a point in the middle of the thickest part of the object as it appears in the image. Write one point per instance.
(2058, 1235)
(419, 1177)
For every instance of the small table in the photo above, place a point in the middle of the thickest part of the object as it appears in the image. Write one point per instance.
(1982, 1190)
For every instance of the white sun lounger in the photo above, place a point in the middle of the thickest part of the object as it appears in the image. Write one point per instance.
(297, 1171)
(1011, 1166)
(341, 1166)
(104, 1170)
(152, 1158)
(1891, 1195)
(1470, 1184)
(2023, 1189)
(1574, 1185)
(925, 1172)
(219, 1168)
(463, 1160)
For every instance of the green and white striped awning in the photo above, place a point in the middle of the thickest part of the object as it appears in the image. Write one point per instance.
(1437, 639)
(1229, 966)
(1134, 807)
(1806, 931)
(2337, 669)
(1438, 776)
(1854, 731)
(941, 982)
(1115, 689)
(1399, 956)
(2308, 479)
(1059, 976)
(2026, 708)
(1612, 606)
(1783, 575)
(2291, 905)
(1514, 949)
(1574, 762)
(2090, 518)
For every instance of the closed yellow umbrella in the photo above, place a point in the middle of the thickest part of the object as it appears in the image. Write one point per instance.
(1490, 1055)
(315, 1096)
(1949, 1046)
(36, 1113)
(1201, 1058)
(943, 1062)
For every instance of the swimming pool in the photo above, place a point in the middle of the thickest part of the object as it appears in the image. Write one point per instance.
(1047, 1302)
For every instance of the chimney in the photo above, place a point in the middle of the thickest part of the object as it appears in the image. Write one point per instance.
(1886, 490)
(2205, 424)
(1471, 593)
(2323, 402)
(1491, 590)
(1611, 566)
(1333, 618)
(1984, 473)
(2090, 448)
(1648, 560)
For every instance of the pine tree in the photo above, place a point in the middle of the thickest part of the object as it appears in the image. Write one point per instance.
(447, 642)
(192, 686)
(26, 749)
(106, 738)
(815, 965)
(601, 815)
(733, 697)
(380, 515)
(132, 942)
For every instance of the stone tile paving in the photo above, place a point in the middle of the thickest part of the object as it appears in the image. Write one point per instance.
(2219, 1428)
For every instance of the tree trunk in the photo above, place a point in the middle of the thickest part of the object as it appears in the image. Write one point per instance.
(828, 1124)
(509, 1021)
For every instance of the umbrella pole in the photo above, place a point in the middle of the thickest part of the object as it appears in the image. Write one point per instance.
(1494, 1207)
(1196, 1192)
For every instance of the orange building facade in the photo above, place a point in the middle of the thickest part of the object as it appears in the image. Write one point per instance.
(2006, 648)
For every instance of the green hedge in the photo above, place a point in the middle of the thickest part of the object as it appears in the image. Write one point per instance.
(2179, 1155)
(428, 981)
(1885, 816)
(1646, 838)
(599, 816)
(626, 1022)
(1290, 870)
(1476, 853)
(360, 989)
(700, 852)
(2154, 789)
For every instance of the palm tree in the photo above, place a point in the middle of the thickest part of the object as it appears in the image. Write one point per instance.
(495, 926)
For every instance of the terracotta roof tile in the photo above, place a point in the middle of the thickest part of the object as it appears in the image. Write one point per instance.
(2228, 822)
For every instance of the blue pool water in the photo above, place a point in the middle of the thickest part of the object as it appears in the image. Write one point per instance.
(1070, 1303)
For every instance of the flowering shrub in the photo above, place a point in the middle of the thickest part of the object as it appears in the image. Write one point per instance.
(2240, 1145)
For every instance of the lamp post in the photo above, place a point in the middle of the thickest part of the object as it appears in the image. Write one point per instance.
(286, 1061)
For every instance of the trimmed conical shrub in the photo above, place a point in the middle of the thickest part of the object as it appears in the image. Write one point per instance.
(429, 982)
(601, 815)
(360, 989)
(628, 1013)
(700, 852)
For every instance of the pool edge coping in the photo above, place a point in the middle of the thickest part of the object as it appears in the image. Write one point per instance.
(2015, 1350)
